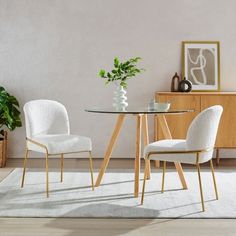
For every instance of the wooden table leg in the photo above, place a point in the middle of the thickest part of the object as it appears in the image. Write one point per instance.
(138, 154)
(146, 140)
(110, 147)
(167, 135)
(157, 163)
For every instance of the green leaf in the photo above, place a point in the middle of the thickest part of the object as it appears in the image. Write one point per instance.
(116, 62)
(13, 100)
(136, 59)
(2, 89)
(102, 73)
(122, 71)
(109, 75)
(124, 84)
(9, 112)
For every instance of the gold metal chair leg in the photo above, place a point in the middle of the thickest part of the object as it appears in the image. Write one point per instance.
(91, 168)
(144, 180)
(200, 186)
(163, 176)
(25, 163)
(214, 179)
(146, 140)
(62, 166)
(149, 169)
(47, 184)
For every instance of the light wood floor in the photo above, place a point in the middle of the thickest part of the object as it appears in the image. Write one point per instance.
(89, 227)
(108, 227)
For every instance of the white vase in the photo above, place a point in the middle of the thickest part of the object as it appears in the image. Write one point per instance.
(120, 98)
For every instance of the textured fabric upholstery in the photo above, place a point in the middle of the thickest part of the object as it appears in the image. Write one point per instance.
(61, 143)
(201, 135)
(203, 129)
(47, 123)
(175, 145)
(45, 117)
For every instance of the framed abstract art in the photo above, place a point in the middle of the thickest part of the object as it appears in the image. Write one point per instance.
(201, 64)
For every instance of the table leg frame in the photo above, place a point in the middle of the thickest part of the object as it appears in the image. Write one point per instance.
(141, 125)
(167, 135)
(110, 147)
(157, 163)
(138, 154)
(146, 141)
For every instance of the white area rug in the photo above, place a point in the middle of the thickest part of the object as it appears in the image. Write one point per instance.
(114, 198)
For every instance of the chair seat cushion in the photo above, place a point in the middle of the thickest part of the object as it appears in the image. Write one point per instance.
(174, 145)
(61, 143)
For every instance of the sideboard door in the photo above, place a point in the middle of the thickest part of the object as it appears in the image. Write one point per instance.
(178, 124)
(226, 133)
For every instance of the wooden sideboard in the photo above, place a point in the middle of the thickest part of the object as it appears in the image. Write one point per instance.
(198, 101)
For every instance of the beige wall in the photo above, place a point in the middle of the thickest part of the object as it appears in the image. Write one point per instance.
(54, 49)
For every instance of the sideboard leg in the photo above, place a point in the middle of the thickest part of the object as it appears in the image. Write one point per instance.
(157, 164)
(217, 156)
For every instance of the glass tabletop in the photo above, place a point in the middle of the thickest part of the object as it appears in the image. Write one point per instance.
(136, 110)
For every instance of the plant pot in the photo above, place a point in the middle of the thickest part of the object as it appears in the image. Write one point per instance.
(119, 98)
(3, 150)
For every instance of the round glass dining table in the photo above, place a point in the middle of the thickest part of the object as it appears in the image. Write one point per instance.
(141, 114)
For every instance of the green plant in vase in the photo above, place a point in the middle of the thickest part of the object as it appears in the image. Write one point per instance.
(9, 117)
(119, 75)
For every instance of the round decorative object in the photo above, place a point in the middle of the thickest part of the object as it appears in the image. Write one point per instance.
(120, 98)
(185, 86)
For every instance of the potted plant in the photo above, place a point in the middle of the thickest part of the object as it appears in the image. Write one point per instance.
(9, 117)
(119, 75)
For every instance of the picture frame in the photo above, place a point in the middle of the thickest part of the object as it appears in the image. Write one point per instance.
(201, 65)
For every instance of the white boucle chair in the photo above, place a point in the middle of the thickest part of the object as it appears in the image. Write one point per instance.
(48, 132)
(196, 149)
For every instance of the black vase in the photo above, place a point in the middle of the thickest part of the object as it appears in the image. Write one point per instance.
(185, 86)
(175, 83)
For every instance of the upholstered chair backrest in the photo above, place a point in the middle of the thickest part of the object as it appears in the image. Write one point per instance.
(44, 117)
(202, 132)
